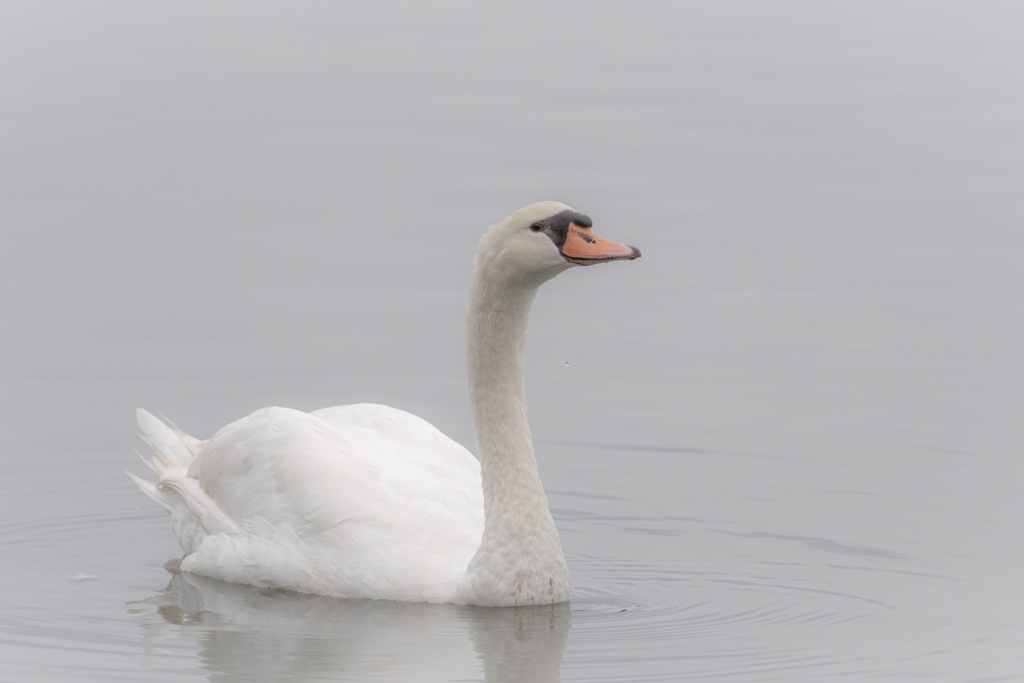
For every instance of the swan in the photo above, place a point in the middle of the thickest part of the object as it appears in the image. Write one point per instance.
(368, 501)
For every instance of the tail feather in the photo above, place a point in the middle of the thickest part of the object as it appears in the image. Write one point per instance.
(194, 514)
(145, 462)
(170, 451)
(159, 462)
(202, 506)
(151, 491)
(190, 442)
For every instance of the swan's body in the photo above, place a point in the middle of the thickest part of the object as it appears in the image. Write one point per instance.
(366, 501)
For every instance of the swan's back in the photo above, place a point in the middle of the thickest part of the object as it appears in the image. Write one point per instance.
(352, 501)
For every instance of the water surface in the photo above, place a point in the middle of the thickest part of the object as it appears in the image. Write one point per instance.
(784, 445)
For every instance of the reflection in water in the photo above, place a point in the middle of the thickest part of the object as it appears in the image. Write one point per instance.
(254, 634)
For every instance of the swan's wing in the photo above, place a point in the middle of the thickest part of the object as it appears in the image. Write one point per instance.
(318, 470)
(377, 505)
(421, 443)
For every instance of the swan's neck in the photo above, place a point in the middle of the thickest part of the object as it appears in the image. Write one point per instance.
(520, 559)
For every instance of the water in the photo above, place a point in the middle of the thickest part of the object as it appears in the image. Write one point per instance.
(784, 445)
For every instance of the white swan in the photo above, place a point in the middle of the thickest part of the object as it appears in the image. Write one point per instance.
(367, 501)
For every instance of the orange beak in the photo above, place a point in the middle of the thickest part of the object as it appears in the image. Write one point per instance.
(584, 248)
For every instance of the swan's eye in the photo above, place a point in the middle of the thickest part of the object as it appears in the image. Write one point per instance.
(536, 227)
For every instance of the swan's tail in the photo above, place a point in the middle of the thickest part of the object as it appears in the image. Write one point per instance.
(172, 453)
(193, 513)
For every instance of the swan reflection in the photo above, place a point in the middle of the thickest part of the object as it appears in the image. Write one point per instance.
(253, 634)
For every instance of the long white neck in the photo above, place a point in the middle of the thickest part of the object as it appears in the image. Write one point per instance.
(520, 559)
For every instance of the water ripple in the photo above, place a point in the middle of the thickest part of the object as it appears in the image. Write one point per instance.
(740, 622)
(813, 615)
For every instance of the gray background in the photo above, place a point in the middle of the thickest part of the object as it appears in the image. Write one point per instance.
(784, 445)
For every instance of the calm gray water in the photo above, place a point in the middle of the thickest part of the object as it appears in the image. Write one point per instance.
(785, 445)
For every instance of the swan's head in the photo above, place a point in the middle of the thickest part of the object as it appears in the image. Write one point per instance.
(541, 240)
